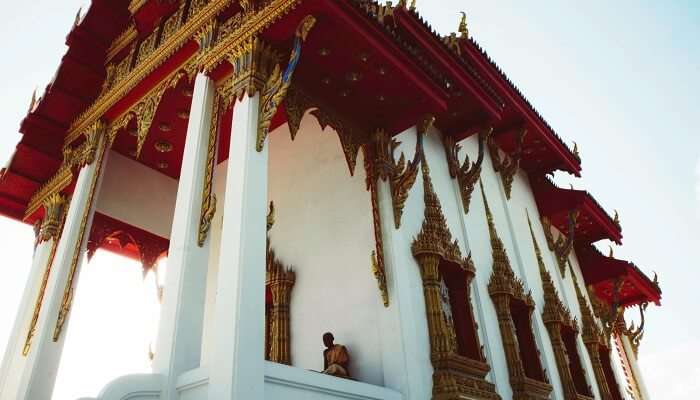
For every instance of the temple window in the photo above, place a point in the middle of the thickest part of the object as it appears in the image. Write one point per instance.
(514, 312)
(562, 330)
(520, 313)
(456, 283)
(459, 367)
(569, 336)
(606, 361)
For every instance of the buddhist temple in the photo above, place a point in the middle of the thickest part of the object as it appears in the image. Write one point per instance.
(348, 204)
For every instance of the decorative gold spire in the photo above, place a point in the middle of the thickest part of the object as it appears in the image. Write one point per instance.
(463, 30)
(78, 16)
(575, 151)
(435, 237)
(616, 219)
(554, 309)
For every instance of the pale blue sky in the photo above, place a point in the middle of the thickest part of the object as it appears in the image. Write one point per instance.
(620, 78)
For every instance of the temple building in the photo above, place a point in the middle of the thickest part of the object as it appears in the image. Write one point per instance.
(352, 206)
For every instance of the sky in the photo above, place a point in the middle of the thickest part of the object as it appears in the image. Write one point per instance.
(621, 78)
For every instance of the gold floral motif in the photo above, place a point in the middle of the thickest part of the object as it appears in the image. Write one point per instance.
(133, 76)
(55, 208)
(53, 214)
(280, 280)
(209, 199)
(67, 301)
(454, 375)
(275, 89)
(564, 244)
(252, 25)
(504, 288)
(508, 165)
(467, 174)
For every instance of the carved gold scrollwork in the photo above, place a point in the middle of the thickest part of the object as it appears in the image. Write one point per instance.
(564, 244)
(634, 333)
(73, 158)
(401, 174)
(67, 300)
(454, 375)
(280, 280)
(504, 288)
(468, 173)
(278, 83)
(55, 208)
(209, 199)
(508, 165)
(377, 257)
(297, 102)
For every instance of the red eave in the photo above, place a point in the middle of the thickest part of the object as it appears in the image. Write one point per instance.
(603, 272)
(567, 160)
(593, 222)
(435, 48)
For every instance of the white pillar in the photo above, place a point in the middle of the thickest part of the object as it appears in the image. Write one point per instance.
(38, 375)
(404, 366)
(237, 359)
(14, 359)
(632, 358)
(178, 348)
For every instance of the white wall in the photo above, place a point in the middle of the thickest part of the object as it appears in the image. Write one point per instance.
(323, 228)
(137, 195)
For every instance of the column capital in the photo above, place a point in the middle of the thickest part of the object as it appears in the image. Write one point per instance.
(54, 211)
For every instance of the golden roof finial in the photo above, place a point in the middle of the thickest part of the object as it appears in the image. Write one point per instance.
(33, 102)
(413, 5)
(610, 252)
(463, 31)
(77, 17)
(575, 150)
(616, 218)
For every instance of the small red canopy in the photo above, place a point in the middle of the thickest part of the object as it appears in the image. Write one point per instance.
(593, 222)
(602, 272)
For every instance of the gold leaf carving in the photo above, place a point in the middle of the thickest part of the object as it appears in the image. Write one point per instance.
(209, 199)
(278, 83)
(467, 175)
(508, 165)
(564, 244)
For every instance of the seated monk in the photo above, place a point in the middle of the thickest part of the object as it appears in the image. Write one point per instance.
(335, 357)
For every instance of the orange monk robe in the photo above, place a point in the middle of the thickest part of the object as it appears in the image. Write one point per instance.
(337, 359)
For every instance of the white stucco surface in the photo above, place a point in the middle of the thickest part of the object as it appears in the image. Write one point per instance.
(323, 229)
(137, 195)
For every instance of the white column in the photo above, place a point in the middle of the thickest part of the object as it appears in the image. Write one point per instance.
(632, 358)
(13, 361)
(38, 375)
(178, 348)
(237, 359)
(403, 365)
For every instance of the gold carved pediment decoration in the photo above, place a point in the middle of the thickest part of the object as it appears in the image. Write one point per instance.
(507, 166)
(563, 244)
(467, 174)
(298, 102)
